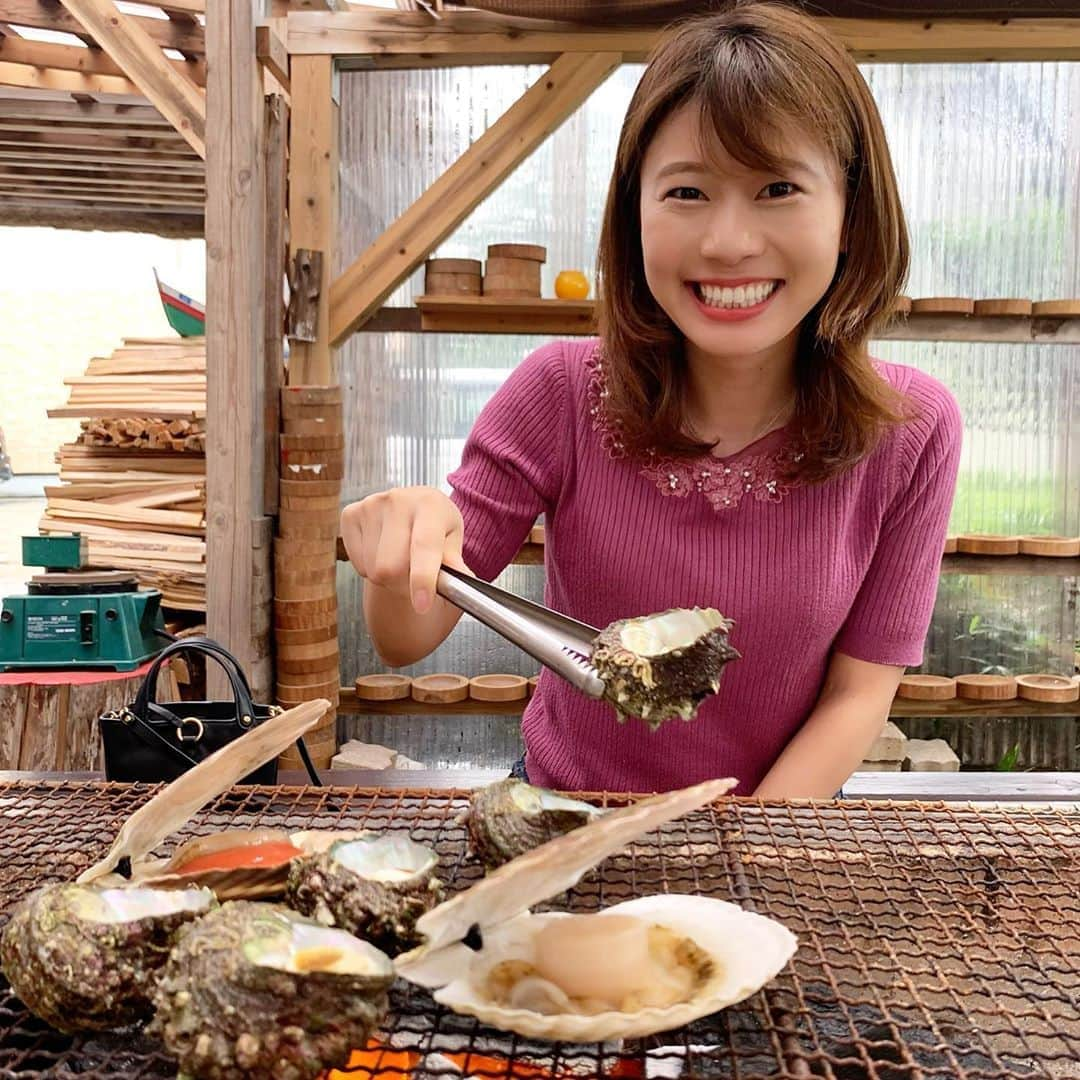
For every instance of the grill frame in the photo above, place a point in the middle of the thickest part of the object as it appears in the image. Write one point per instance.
(935, 939)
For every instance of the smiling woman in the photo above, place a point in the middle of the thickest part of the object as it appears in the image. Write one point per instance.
(728, 443)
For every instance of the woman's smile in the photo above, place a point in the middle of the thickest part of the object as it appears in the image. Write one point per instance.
(732, 301)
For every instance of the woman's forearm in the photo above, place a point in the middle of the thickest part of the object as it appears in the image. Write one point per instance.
(848, 717)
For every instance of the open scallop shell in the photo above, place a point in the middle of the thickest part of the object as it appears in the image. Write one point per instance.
(242, 882)
(748, 951)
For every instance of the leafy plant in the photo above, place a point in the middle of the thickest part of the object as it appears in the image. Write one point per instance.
(1008, 760)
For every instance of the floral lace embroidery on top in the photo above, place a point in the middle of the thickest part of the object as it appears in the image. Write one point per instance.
(723, 482)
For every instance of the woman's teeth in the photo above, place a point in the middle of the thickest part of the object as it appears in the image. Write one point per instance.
(742, 296)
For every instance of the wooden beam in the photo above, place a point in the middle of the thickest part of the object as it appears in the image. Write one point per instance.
(97, 113)
(164, 221)
(408, 39)
(73, 165)
(235, 334)
(313, 199)
(91, 141)
(277, 251)
(272, 54)
(17, 50)
(45, 78)
(357, 294)
(171, 93)
(29, 175)
(45, 15)
(191, 204)
(182, 7)
(83, 159)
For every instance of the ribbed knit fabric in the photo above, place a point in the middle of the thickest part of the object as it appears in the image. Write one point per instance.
(851, 564)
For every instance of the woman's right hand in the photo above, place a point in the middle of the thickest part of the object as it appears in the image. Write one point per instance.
(398, 539)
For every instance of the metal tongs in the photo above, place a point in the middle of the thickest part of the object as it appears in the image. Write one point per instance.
(560, 643)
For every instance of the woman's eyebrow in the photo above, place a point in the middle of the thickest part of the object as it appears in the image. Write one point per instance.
(681, 167)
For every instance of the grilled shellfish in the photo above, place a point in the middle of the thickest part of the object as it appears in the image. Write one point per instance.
(640, 967)
(375, 886)
(510, 817)
(87, 959)
(255, 991)
(663, 666)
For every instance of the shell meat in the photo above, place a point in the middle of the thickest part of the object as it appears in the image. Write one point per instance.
(643, 966)
(510, 817)
(376, 887)
(663, 666)
(255, 991)
(237, 864)
(87, 959)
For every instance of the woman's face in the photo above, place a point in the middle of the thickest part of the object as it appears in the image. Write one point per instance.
(736, 257)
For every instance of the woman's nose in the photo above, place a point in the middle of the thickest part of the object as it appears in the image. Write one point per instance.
(732, 234)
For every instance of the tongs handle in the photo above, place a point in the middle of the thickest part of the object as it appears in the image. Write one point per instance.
(557, 641)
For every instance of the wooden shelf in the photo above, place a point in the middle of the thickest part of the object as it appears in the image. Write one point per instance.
(487, 315)
(1037, 565)
(350, 703)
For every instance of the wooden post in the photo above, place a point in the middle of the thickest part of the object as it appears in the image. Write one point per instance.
(313, 198)
(277, 126)
(235, 333)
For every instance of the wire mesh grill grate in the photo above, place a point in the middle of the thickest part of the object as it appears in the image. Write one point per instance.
(934, 940)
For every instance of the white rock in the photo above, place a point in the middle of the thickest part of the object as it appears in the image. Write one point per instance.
(356, 754)
(930, 755)
(889, 745)
(879, 766)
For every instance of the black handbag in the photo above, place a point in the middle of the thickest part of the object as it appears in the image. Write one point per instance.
(151, 741)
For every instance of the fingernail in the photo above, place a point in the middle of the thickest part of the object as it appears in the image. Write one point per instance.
(421, 601)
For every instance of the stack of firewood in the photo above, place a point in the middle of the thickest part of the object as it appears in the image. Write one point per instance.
(134, 483)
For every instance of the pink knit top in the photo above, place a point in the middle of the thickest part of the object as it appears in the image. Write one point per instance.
(850, 564)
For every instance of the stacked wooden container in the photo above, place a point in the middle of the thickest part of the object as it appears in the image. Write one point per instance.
(305, 560)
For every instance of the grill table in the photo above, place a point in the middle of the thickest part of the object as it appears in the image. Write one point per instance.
(934, 940)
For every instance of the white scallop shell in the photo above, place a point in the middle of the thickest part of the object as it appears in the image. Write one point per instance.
(749, 951)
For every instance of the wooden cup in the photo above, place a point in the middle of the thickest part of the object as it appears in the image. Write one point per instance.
(1045, 687)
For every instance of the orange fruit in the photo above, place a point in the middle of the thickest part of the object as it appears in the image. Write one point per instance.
(571, 285)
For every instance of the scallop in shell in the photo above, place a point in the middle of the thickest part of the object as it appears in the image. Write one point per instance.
(643, 966)
(86, 959)
(510, 817)
(663, 666)
(375, 886)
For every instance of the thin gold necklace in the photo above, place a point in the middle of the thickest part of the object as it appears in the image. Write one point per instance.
(764, 428)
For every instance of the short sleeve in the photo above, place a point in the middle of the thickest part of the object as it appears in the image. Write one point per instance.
(888, 622)
(512, 465)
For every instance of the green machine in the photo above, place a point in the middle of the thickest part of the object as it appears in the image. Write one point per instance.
(76, 617)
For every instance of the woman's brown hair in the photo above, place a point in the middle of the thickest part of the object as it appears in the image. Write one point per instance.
(756, 70)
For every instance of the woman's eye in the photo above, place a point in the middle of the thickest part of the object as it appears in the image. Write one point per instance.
(780, 190)
(685, 194)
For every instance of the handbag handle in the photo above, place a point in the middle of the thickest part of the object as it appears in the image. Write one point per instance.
(237, 680)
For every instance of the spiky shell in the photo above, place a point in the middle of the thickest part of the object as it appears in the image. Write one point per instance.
(663, 666)
(375, 887)
(237, 1002)
(508, 818)
(81, 961)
